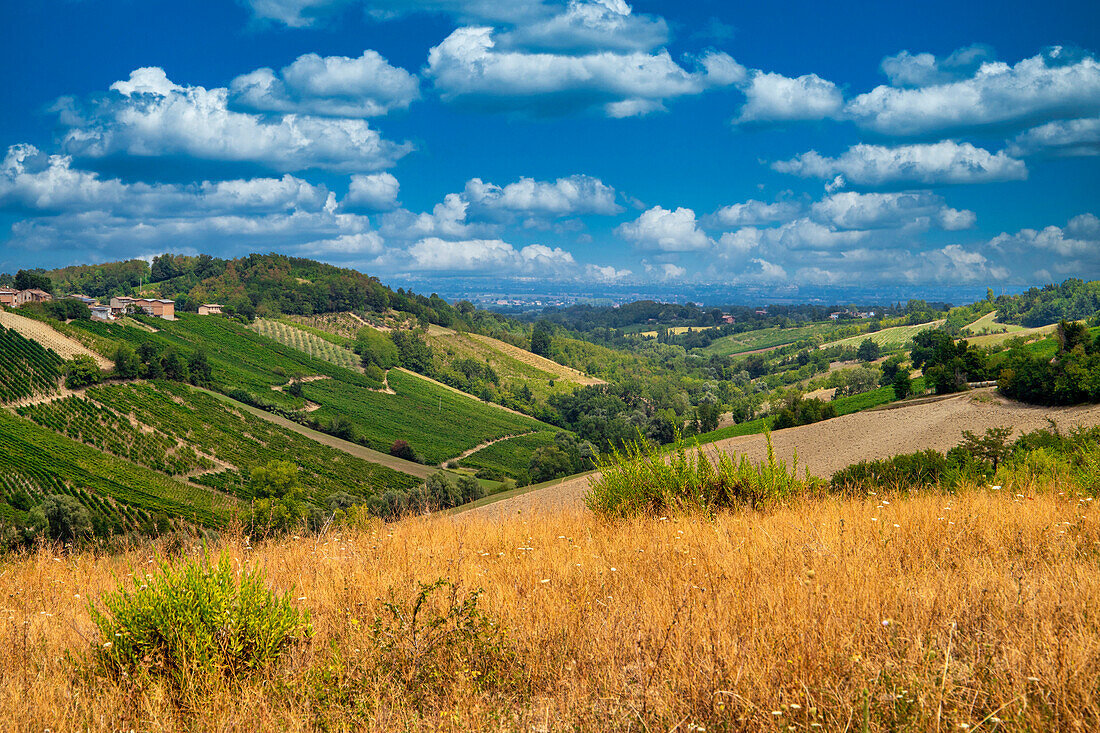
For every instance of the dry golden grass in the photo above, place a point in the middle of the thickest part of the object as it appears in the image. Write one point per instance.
(924, 613)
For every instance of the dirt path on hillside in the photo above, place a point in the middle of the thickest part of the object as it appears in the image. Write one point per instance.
(65, 347)
(828, 446)
(486, 444)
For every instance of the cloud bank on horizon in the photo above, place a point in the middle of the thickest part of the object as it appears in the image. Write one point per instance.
(576, 140)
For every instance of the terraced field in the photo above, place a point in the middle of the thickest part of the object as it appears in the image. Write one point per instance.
(514, 365)
(988, 324)
(26, 368)
(310, 343)
(51, 463)
(61, 344)
(768, 338)
(439, 423)
(239, 357)
(244, 441)
(889, 338)
(103, 428)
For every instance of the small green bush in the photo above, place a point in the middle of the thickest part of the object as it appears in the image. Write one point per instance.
(641, 481)
(196, 623)
(439, 641)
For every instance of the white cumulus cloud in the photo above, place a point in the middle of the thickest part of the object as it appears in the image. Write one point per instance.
(773, 97)
(376, 191)
(665, 230)
(578, 194)
(944, 162)
(753, 213)
(907, 69)
(1053, 85)
(334, 86)
(851, 210)
(149, 116)
(1061, 138)
(491, 256)
(467, 67)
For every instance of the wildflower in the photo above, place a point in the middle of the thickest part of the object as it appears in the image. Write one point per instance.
(795, 706)
(995, 488)
(874, 519)
(898, 526)
(545, 580)
(886, 622)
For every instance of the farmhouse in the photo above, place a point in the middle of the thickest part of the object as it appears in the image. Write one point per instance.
(13, 298)
(210, 309)
(101, 312)
(158, 307)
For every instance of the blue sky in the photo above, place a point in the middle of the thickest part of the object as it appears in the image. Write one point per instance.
(561, 141)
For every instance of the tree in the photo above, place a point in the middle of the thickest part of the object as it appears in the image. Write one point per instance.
(991, 448)
(175, 368)
(549, 462)
(373, 347)
(868, 350)
(81, 371)
(402, 449)
(32, 280)
(890, 369)
(275, 480)
(127, 363)
(540, 339)
(61, 517)
(199, 368)
(280, 502)
(1070, 335)
(708, 416)
(412, 352)
(903, 386)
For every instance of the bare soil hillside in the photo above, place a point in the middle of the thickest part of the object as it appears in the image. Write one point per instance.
(828, 446)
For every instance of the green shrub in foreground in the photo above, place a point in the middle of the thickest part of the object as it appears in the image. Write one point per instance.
(195, 623)
(647, 480)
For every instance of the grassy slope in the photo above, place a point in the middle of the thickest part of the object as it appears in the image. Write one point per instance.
(812, 611)
(438, 423)
(767, 338)
(509, 457)
(889, 338)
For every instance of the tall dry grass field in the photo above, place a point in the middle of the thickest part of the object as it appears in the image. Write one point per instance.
(975, 612)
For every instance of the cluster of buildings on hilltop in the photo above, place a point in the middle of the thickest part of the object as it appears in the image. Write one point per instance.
(119, 305)
(852, 314)
(12, 298)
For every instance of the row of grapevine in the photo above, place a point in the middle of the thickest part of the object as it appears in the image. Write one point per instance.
(244, 441)
(83, 420)
(46, 458)
(315, 346)
(26, 368)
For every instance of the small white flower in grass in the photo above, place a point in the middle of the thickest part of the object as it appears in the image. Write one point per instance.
(887, 622)
(1032, 679)
(612, 569)
(795, 706)
(108, 645)
(874, 519)
(777, 713)
(301, 598)
(545, 580)
(995, 488)
(898, 526)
